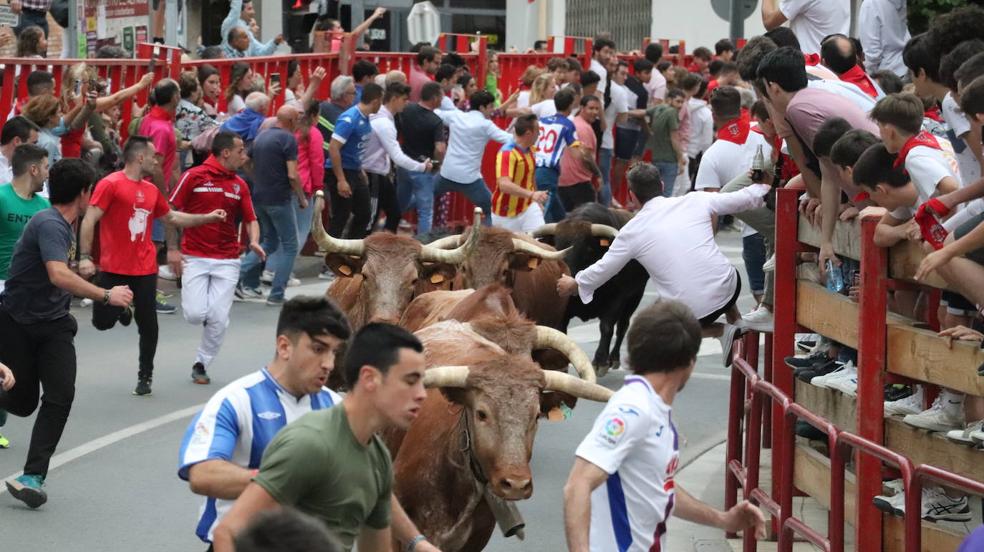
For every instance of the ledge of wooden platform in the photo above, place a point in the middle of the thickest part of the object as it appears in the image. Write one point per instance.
(829, 314)
(935, 537)
(832, 405)
(847, 237)
(811, 474)
(904, 259)
(922, 355)
(924, 447)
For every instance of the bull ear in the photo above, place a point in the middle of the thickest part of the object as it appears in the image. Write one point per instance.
(344, 266)
(523, 262)
(455, 395)
(436, 276)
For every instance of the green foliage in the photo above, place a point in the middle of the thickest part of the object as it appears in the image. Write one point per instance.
(922, 12)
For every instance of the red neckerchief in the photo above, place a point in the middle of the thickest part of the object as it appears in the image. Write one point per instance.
(856, 76)
(922, 139)
(736, 130)
(158, 112)
(934, 114)
(812, 59)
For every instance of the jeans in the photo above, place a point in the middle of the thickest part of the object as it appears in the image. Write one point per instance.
(32, 17)
(763, 220)
(357, 205)
(144, 290)
(278, 232)
(382, 194)
(304, 221)
(476, 192)
(546, 181)
(605, 164)
(417, 189)
(667, 172)
(753, 253)
(40, 355)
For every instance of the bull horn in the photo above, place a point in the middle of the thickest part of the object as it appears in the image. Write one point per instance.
(566, 383)
(603, 231)
(433, 252)
(524, 246)
(549, 338)
(327, 243)
(446, 376)
(545, 230)
(447, 242)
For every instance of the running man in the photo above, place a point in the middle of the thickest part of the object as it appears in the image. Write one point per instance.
(127, 206)
(620, 492)
(210, 253)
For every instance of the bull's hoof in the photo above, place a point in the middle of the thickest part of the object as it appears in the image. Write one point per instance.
(601, 370)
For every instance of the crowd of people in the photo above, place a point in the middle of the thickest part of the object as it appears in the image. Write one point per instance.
(215, 189)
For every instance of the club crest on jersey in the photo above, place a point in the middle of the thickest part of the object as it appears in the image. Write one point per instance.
(235, 188)
(613, 429)
(269, 415)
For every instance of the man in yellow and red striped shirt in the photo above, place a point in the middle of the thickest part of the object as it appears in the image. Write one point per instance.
(516, 203)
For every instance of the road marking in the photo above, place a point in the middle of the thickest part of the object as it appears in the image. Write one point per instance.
(59, 460)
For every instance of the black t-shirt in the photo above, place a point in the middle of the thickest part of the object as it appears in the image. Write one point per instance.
(272, 149)
(327, 117)
(29, 296)
(637, 88)
(419, 129)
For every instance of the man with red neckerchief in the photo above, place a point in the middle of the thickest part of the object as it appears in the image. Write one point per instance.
(730, 156)
(210, 263)
(840, 57)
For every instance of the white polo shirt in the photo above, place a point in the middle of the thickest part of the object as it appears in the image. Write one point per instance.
(635, 442)
(724, 161)
(812, 20)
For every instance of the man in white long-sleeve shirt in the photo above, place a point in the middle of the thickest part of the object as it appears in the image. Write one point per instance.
(674, 241)
(381, 147)
(884, 33)
(470, 132)
(242, 14)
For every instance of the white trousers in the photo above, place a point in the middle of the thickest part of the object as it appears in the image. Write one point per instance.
(526, 222)
(207, 290)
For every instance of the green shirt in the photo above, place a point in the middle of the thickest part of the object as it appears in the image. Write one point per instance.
(664, 119)
(15, 211)
(317, 466)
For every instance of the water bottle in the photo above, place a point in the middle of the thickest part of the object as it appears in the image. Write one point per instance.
(835, 278)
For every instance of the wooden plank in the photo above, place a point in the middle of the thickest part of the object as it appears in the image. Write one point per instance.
(811, 474)
(904, 259)
(828, 314)
(847, 237)
(924, 356)
(924, 447)
(834, 406)
(936, 537)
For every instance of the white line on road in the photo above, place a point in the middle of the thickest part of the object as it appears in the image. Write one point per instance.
(59, 460)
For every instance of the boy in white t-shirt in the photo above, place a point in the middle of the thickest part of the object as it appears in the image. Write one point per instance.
(620, 492)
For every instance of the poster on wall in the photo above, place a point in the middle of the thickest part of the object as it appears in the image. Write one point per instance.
(115, 22)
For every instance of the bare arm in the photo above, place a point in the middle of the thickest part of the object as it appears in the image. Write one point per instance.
(963, 195)
(295, 182)
(253, 500)
(187, 220)
(88, 229)
(63, 278)
(585, 477)
(314, 82)
(219, 479)
(891, 230)
(106, 102)
(741, 517)
(440, 148)
(357, 32)
(335, 153)
(771, 16)
(677, 144)
(829, 204)
(587, 158)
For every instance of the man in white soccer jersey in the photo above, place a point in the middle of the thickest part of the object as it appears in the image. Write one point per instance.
(620, 492)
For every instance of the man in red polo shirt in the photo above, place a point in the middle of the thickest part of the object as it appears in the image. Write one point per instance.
(127, 206)
(210, 267)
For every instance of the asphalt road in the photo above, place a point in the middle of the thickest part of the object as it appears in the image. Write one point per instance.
(113, 483)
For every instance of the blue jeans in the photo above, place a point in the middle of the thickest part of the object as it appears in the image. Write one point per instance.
(278, 234)
(605, 164)
(753, 253)
(546, 181)
(667, 172)
(304, 219)
(416, 189)
(476, 192)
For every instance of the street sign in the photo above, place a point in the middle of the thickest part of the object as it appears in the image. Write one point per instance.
(723, 8)
(423, 23)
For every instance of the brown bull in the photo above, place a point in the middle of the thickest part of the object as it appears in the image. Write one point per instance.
(379, 275)
(477, 425)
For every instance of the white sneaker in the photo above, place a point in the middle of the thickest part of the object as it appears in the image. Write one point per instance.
(759, 320)
(807, 343)
(894, 504)
(85, 303)
(825, 380)
(944, 415)
(897, 486)
(267, 278)
(965, 436)
(326, 274)
(164, 272)
(937, 506)
(847, 382)
(770, 264)
(913, 404)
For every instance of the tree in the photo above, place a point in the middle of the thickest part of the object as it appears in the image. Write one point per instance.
(922, 12)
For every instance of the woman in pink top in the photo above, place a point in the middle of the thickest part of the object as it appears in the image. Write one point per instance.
(310, 167)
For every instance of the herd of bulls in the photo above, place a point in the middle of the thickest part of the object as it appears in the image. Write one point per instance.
(485, 305)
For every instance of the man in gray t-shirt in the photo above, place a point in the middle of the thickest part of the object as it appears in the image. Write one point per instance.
(37, 333)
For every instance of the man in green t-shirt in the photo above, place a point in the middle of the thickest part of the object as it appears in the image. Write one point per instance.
(664, 138)
(331, 464)
(19, 199)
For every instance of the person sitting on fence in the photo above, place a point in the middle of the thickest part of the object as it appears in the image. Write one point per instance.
(242, 16)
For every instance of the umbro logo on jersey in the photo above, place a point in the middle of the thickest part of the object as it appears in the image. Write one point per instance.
(269, 415)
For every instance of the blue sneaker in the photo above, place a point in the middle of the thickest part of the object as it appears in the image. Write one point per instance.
(27, 489)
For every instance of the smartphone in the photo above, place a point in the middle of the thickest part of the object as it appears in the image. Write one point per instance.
(78, 87)
(275, 78)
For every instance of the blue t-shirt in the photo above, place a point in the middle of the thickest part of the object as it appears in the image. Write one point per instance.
(352, 130)
(272, 149)
(557, 132)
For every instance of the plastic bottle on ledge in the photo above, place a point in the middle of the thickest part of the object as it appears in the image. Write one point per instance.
(835, 278)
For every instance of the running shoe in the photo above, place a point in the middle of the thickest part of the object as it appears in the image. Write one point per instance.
(896, 391)
(807, 343)
(800, 363)
(770, 264)
(894, 504)
(267, 278)
(244, 293)
(28, 489)
(143, 386)
(164, 272)
(163, 307)
(943, 415)
(817, 370)
(199, 375)
(760, 320)
(4, 442)
(846, 382)
(327, 274)
(965, 436)
(936, 505)
(825, 380)
(913, 404)
(727, 338)
(276, 301)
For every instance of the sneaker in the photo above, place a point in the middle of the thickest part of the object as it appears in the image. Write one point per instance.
(804, 429)
(913, 404)
(163, 307)
(826, 379)
(164, 272)
(760, 320)
(807, 343)
(896, 486)
(4, 442)
(267, 278)
(244, 293)
(27, 489)
(85, 303)
(770, 264)
(800, 363)
(199, 375)
(275, 301)
(964, 436)
(941, 416)
(894, 504)
(809, 374)
(143, 386)
(896, 391)
(937, 506)
(326, 274)
(127, 315)
(847, 382)
(727, 338)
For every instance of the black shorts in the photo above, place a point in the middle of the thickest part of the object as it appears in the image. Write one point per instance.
(976, 255)
(625, 142)
(711, 318)
(957, 304)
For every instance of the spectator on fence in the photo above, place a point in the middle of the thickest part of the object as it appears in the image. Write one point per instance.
(32, 43)
(422, 136)
(884, 33)
(45, 112)
(422, 72)
(579, 173)
(838, 54)
(810, 20)
(32, 13)
(724, 49)
(242, 15)
(334, 26)
(602, 52)
(236, 43)
(16, 131)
